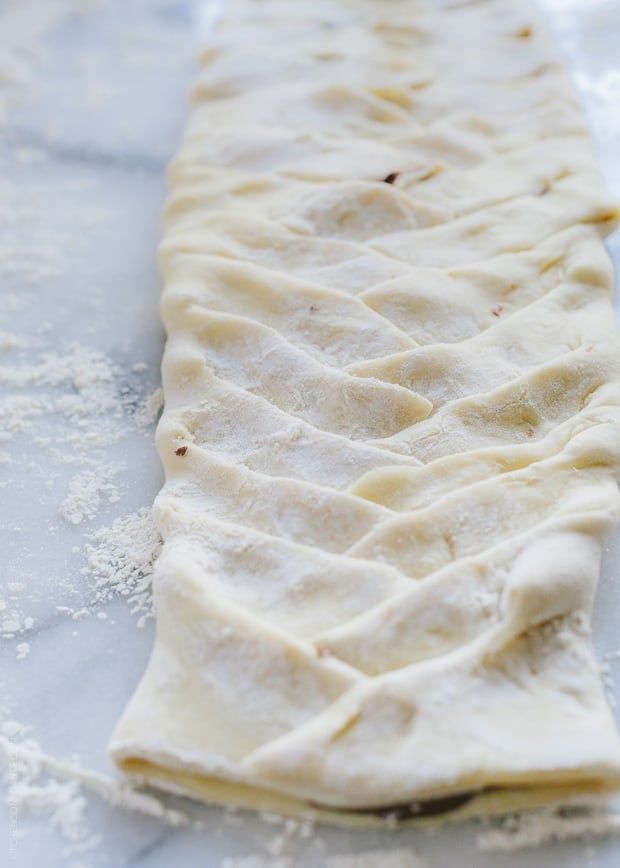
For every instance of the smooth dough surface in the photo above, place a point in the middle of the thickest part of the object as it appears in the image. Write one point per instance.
(391, 431)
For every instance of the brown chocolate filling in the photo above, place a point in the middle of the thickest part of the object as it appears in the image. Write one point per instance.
(409, 810)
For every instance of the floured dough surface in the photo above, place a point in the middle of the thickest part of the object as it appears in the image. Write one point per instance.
(391, 432)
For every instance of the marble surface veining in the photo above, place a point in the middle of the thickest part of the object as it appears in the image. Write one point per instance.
(92, 101)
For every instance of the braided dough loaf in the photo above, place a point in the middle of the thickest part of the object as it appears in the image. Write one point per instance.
(391, 433)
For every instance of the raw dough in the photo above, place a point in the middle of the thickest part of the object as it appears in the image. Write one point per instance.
(391, 433)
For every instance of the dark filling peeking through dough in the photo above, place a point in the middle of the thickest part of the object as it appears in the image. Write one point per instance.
(409, 810)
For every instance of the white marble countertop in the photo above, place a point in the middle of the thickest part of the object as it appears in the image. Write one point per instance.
(92, 100)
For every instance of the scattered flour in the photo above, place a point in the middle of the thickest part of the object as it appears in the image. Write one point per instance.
(80, 390)
(120, 561)
(12, 620)
(16, 413)
(80, 386)
(150, 409)
(31, 791)
(292, 830)
(9, 341)
(545, 825)
(22, 650)
(42, 786)
(76, 385)
(70, 403)
(86, 491)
